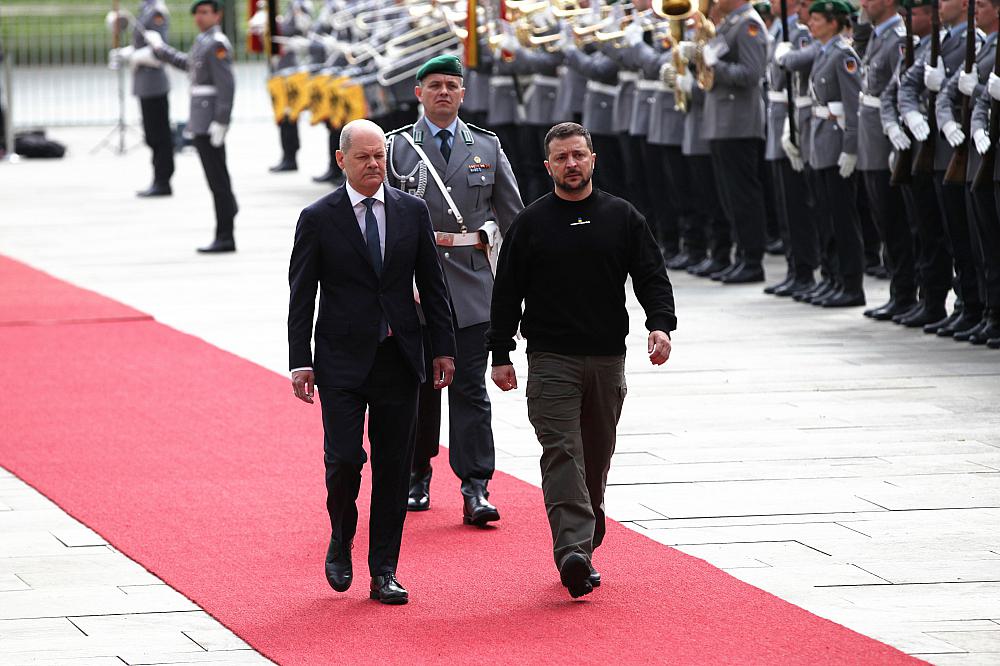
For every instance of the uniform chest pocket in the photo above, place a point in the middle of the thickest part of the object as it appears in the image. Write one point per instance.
(481, 179)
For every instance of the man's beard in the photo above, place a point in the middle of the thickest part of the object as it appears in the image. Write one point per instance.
(566, 187)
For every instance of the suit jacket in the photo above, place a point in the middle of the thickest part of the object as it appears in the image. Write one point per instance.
(330, 252)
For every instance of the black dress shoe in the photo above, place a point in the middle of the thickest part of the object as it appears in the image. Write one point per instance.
(339, 570)
(776, 246)
(420, 490)
(890, 309)
(219, 245)
(595, 577)
(683, 260)
(926, 314)
(993, 343)
(932, 329)
(986, 333)
(967, 320)
(155, 190)
(731, 268)
(820, 289)
(789, 278)
(574, 572)
(880, 273)
(746, 274)
(284, 165)
(795, 287)
(476, 510)
(388, 590)
(844, 298)
(903, 314)
(817, 297)
(709, 267)
(334, 176)
(968, 334)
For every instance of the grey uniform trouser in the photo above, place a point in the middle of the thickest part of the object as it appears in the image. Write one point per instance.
(574, 403)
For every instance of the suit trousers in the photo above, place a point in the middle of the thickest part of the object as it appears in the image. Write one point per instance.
(736, 164)
(574, 403)
(838, 196)
(213, 161)
(889, 216)
(470, 445)
(933, 257)
(952, 200)
(156, 127)
(389, 394)
(801, 238)
(708, 212)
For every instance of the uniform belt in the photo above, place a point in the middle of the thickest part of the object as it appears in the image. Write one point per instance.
(497, 81)
(603, 88)
(203, 91)
(448, 239)
(648, 84)
(630, 77)
(822, 111)
(778, 96)
(541, 80)
(871, 101)
(803, 102)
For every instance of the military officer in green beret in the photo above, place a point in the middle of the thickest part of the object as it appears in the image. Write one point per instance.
(462, 173)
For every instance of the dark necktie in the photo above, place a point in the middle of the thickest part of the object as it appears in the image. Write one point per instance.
(375, 251)
(444, 136)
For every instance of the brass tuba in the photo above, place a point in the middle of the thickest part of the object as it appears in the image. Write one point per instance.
(680, 12)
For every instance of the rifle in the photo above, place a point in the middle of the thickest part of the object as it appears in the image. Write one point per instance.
(984, 177)
(956, 172)
(924, 164)
(789, 91)
(902, 171)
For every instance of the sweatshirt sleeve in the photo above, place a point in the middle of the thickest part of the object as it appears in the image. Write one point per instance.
(508, 293)
(649, 277)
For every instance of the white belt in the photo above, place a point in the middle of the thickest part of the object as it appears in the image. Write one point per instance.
(822, 111)
(871, 101)
(778, 96)
(630, 77)
(445, 239)
(203, 91)
(540, 80)
(803, 102)
(604, 88)
(498, 81)
(650, 84)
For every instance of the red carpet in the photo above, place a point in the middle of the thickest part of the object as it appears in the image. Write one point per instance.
(205, 469)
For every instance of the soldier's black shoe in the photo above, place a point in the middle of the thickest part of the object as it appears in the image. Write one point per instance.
(595, 577)
(888, 310)
(574, 573)
(776, 246)
(990, 331)
(903, 314)
(993, 343)
(476, 509)
(965, 321)
(796, 287)
(927, 313)
(286, 164)
(746, 274)
(789, 278)
(843, 298)
(388, 590)
(419, 498)
(968, 334)
(334, 176)
(708, 267)
(818, 297)
(683, 260)
(219, 245)
(932, 329)
(820, 288)
(339, 570)
(155, 190)
(731, 268)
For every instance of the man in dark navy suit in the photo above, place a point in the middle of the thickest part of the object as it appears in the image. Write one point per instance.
(364, 246)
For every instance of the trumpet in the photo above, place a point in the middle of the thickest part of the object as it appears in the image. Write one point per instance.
(681, 11)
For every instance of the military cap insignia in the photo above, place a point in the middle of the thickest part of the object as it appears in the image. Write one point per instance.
(851, 65)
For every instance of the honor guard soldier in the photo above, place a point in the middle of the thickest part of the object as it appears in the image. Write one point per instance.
(210, 66)
(292, 27)
(150, 85)
(462, 173)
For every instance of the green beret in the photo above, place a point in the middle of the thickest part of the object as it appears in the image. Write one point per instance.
(914, 3)
(763, 6)
(215, 4)
(442, 64)
(831, 7)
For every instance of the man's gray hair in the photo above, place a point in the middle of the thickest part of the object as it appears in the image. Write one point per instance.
(347, 133)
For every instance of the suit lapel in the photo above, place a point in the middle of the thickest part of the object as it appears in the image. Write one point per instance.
(346, 221)
(460, 151)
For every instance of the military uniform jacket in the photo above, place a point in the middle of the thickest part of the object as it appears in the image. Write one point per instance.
(569, 95)
(481, 183)
(913, 95)
(503, 109)
(951, 99)
(150, 81)
(799, 62)
(890, 96)
(835, 78)
(477, 81)
(646, 60)
(694, 142)
(621, 111)
(601, 73)
(777, 98)
(210, 68)
(878, 66)
(734, 107)
(539, 73)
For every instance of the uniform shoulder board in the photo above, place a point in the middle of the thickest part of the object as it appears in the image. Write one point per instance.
(404, 128)
(222, 39)
(480, 129)
(980, 35)
(900, 29)
(162, 8)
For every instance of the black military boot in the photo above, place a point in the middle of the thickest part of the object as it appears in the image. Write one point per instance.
(419, 498)
(989, 331)
(851, 294)
(969, 319)
(927, 313)
(476, 510)
(932, 329)
(747, 273)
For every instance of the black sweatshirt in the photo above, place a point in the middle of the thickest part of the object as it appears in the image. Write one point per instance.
(568, 261)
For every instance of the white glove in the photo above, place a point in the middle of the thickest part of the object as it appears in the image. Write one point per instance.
(847, 162)
(688, 49)
(509, 43)
(153, 39)
(257, 25)
(668, 74)
(993, 86)
(331, 44)
(710, 54)
(918, 125)
(982, 141)
(634, 33)
(793, 152)
(953, 133)
(117, 19)
(686, 83)
(119, 57)
(298, 44)
(782, 50)
(967, 82)
(217, 133)
(934, 76)
(145, 57)
(897, 137)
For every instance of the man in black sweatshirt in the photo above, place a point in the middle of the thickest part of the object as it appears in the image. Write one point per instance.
(567, 257)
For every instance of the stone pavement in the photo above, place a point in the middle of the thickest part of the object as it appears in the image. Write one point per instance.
(849, 467)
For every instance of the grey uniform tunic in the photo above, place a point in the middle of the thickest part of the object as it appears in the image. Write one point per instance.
(481, 183)
(884, 51)
(734, 107)
(477, 82)
(621, 112)
(646, 60)
(800, 62)
(539, 71)
(601, 73)
(913, 95)
(503, 109)
(835, 77)
(890, 96)
(150, 81)
(210, 68)
(694, 142)
(569, 96)
(951, 98)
